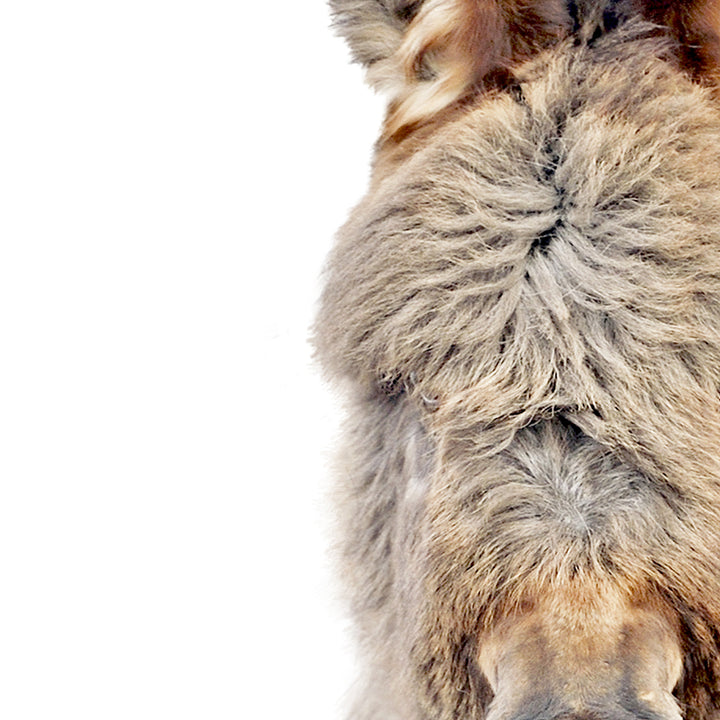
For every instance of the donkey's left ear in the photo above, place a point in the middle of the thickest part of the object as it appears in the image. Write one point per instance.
(374, 30)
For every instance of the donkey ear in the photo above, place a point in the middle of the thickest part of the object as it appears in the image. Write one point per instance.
(427, 54)
(374, 30)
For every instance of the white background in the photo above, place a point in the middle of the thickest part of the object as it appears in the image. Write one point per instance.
(171, 175)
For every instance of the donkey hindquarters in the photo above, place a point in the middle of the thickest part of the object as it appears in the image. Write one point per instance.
(525, 311)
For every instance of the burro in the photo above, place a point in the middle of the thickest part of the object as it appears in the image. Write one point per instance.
(524, 314)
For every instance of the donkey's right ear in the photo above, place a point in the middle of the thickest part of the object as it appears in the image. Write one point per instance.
(374, 30)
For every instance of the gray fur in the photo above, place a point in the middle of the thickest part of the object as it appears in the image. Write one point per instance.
(527, 314)
(373, 28)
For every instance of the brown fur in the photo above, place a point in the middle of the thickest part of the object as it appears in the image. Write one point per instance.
(525, 311)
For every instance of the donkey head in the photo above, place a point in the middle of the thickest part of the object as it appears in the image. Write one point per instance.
(526, 309)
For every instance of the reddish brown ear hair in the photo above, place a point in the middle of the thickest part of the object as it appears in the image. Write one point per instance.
(453, 45)
(695, 24)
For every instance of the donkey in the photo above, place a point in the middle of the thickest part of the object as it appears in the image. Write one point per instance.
(524, 311)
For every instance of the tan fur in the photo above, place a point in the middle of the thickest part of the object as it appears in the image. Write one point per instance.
(525, 312)
(600, 636)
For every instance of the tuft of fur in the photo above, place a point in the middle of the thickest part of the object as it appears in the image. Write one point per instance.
(525, 310)
(374, 30)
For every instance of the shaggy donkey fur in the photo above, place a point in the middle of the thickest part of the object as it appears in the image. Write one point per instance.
(526, 311)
